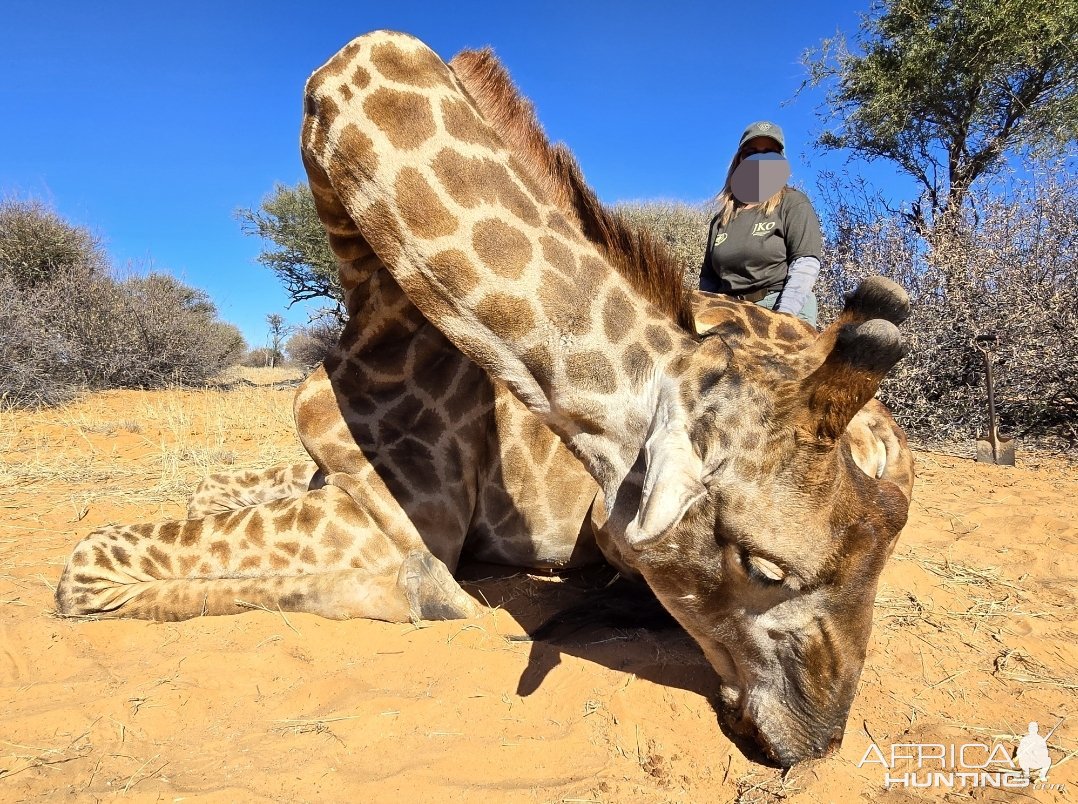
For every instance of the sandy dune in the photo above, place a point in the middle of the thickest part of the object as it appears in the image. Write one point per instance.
(975, 636)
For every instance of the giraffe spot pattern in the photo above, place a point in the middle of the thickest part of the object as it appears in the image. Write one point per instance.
(591, 371)
(417, 68)
(562, 304)
(337, 66)
(557, 255)
(356, 162)
(540, 364)
(382, 231)
(556, 222)
(420, 208)
(471, 181)
(404, 117)
(527, 179)
(658, 338)
(221, 551)
(504, 250)
(462, 122)
(618, 315)
(637, 364)
(360, 78)
(508, 315)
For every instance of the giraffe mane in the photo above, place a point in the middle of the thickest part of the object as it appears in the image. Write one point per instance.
(641, 258)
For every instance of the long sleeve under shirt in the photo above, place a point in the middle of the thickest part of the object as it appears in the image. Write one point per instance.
(755, 252)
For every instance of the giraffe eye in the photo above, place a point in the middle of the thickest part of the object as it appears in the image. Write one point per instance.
(765, 570)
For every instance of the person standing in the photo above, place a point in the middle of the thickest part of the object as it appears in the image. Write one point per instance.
(764, 245)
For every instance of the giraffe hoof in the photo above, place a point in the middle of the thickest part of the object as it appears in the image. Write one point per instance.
(433, 593)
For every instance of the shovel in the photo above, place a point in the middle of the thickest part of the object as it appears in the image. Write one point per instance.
(992, 448)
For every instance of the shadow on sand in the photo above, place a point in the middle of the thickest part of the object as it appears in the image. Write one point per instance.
(598, 616)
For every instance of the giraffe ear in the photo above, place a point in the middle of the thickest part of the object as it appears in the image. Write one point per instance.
(672, 479)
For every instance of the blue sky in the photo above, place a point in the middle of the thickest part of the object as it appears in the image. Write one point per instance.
(150, 123)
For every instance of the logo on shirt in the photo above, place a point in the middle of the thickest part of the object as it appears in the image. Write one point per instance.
(760, 229)
(720, 238)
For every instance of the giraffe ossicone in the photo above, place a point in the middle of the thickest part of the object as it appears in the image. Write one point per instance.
(522, 381)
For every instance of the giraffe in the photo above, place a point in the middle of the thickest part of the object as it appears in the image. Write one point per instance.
(522, 380)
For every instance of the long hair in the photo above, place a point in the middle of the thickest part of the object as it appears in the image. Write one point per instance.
(728, 206)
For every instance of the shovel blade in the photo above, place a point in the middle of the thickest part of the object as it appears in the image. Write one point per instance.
(1004, 453)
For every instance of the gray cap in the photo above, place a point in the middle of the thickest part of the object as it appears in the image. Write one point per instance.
(762, 128)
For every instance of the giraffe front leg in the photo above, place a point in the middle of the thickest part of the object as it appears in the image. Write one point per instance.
(227, 491)
(320, 553)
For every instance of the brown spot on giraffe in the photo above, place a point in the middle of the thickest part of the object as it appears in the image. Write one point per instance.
(463, 123)
(163, 559)
(637, 364)
(591, 371)
(417, 68)
(560, 300)
(221, 551)
(339, 64)
(350, 176)
(503, 249)
(404, 117)
(169, 532)
(558, 255)
(618, 316)
(501, 312)
(361, 79)
(420, 208)
(658, 339)
(382, 231)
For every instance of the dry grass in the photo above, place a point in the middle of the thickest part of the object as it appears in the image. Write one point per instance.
(157, 445)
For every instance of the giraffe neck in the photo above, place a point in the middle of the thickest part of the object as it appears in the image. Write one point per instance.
(485, 254)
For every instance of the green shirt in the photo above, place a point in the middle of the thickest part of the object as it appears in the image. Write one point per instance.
(753, 251)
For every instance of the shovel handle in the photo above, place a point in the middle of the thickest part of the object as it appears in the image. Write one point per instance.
(985, 344)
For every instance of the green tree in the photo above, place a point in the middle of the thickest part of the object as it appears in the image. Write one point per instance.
(945, 88)
(297, 249)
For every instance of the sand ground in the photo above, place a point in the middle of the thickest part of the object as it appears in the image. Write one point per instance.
(975, 636)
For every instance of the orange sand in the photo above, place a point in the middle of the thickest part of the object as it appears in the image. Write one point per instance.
(975, 636)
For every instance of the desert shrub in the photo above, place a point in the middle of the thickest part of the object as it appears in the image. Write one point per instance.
(36, 244)
(682, 227)
(78, 327)
(1008, 267)
(309, 345)
(262, 357)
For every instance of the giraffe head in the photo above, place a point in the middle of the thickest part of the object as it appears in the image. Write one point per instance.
(764, 532)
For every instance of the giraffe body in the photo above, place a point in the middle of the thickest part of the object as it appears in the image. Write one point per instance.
(521, 381)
